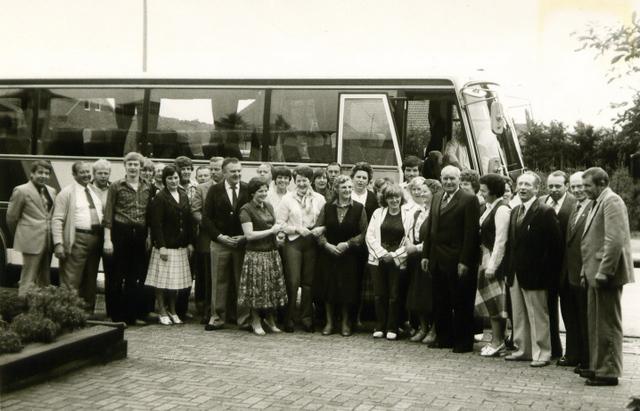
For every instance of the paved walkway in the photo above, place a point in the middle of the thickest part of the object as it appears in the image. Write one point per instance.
(183, 367)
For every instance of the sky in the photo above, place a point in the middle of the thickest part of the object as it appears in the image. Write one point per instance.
(526, 45)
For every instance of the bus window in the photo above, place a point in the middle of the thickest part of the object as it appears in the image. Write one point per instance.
(494, 133)
(366, 128)
(90, 122)
(16, 114)
(303, 126)
(206, 123)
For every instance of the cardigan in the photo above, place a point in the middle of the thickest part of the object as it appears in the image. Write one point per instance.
(373, 237)
(171, 223)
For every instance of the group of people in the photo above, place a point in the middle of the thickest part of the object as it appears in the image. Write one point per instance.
(433, 256)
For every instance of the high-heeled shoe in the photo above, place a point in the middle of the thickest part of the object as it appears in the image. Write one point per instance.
(431, 336)
(328, 329)
(419, 336)
(175, 318)
(258, 330)
(272, 327)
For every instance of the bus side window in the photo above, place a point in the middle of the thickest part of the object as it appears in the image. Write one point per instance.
(302, 124)
(202, 123)
(91, 122)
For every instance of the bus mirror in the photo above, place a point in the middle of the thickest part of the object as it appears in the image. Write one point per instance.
(498, 121)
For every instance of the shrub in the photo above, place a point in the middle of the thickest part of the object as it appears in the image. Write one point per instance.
(59, 304)
(9, 342)
(11, 304)
(33, 327)
(622, 183)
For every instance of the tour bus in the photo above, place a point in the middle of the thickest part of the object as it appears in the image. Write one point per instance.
(281, 121)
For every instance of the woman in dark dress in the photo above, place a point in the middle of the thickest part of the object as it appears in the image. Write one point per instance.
(419, 298)
(261, 279)
(172, 237)
(344, 224)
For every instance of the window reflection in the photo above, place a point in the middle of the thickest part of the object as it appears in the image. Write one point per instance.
(366, 132)
(303, 126)
(91, 122)
(206, 123)
(16, 113)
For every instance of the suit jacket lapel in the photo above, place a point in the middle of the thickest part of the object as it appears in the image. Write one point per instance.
(435, 216)
(451, 202)
(35, 194)
(574, 228)
(225, 194)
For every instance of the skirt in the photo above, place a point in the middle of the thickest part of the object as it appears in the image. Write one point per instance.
(419, 296)
(262, 280)
(490, 297)
(172, 274)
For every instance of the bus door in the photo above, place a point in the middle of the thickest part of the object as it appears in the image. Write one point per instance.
(366, 132)
(430, 122)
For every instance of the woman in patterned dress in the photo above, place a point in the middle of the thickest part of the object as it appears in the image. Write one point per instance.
(172, 236)
(494, 228)
(261, 279)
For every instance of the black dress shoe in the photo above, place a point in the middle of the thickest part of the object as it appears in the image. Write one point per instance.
(566, 362)
(346, 331)
(584, 373)
(308, 328)
(439, 344)
(462, 349)
(288, 328)
(213, 327)
(601, 381)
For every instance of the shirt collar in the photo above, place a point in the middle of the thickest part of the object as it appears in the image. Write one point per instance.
(227, 186)
(528, 204)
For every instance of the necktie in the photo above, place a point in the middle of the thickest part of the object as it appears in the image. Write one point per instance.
(234, 196)
(521, 215)
(95, 220)
(575, 220)
(445, 199)
(45, 198)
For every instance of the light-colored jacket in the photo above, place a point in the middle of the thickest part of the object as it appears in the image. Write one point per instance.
(63, 227)
(373, 238)
(28, 219)
(606, 241)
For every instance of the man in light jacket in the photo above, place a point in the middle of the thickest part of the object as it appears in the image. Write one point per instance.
(606, 267)
(29, 219)
(77, 234)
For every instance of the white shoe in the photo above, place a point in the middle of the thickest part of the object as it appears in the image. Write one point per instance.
(165, 320)
(378, 334)
(175, 319)
(391, 336)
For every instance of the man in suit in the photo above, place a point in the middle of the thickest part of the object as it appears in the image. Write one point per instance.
(574, 303)
(29, 219)
(606, 267)
(533, 263)
(450, 254)
(77, 234)
(563, 204)
(220, 219)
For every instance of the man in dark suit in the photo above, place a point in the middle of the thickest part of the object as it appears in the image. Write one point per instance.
(574, 303)
(563, 204)
(606, 267)
(532, 255)
(220, 219)
(450, 253)
(29, 219)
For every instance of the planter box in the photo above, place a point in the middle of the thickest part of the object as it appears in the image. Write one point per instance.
(39, 362)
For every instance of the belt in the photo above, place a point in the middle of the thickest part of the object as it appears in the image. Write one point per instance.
(93, 231)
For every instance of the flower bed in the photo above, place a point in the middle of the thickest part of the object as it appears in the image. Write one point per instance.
(43, 334)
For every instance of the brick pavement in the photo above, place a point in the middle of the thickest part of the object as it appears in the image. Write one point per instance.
(183, 367)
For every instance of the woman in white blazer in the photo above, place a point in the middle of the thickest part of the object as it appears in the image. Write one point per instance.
(386, 236)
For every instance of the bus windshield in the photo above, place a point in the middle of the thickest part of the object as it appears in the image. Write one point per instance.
(498, 151)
